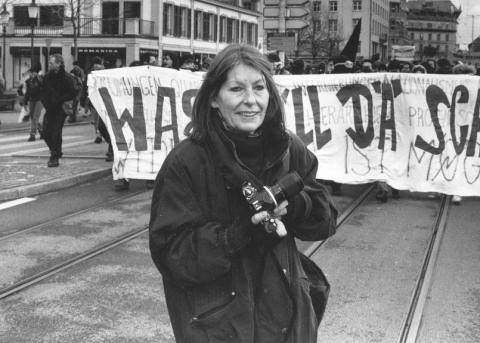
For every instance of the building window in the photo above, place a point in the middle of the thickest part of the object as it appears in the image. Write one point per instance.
(230, 30)
(48, 16)
(447, 37)
(357, 5)
(51, 15)
(317, 6)
(177, 21)
(429, 25)
(167, 15)
(199, 33)
(438, 36)
(223, 31)
(412, 35)
(206, 27)
(317, 26)
(429, 36)
(332, 25)
(132, 9)
(333, 6)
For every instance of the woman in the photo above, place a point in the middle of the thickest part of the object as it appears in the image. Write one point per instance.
(170, 60)
(225, 277)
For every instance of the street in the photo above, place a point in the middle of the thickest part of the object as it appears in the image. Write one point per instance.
(76, 265)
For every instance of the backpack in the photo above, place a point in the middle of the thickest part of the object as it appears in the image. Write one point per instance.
(77, 83)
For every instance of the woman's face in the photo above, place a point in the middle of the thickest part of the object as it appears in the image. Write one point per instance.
(243, 99)
(167, 61)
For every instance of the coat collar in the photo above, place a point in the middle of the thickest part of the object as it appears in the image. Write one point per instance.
(225, 155)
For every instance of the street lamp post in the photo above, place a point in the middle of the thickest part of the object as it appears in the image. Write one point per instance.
(4, 18)
(32, 14)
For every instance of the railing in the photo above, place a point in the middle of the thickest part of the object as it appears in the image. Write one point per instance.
(95, 27)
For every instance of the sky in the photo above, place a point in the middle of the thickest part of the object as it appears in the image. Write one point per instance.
(470, 15)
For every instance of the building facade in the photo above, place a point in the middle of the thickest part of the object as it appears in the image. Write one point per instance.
(122, 31)
(398, 32)
(432, 27)
(336, 19)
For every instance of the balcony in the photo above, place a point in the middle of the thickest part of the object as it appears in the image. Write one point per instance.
(89, 27)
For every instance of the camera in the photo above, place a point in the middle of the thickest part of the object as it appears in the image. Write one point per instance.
(268, 198)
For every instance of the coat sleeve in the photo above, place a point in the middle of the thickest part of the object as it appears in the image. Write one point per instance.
(69, 91)
(311, 213)
(185, 246)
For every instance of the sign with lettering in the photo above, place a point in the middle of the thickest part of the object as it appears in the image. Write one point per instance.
(414, 131)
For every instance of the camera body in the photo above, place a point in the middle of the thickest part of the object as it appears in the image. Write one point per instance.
(267, 198)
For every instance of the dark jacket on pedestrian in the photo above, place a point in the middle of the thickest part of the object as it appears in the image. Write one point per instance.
(58, 87)
(226, 279)
(34, 88)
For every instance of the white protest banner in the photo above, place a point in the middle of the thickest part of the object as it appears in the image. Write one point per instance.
(414, 131)
(404, 53)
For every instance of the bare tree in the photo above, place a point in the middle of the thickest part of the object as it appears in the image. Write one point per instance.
(322, 37)
(74, 11)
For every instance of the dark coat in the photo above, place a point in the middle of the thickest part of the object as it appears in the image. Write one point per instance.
(203, 243)
(58, 87)
(34, 88)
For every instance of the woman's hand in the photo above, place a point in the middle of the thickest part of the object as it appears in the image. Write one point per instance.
(273, 218)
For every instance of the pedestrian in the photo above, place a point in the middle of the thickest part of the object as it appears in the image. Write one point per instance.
(79, 78)
(206, 64)
(170, 60)
(32, 99)
(298, 67)
(97, 64)
(151, 60)
(100, 124)
(419, 69)
(443, 66)
(367, 66)
(277, 65)
(225, 277)
(188, 63)
(330, 65)
(58, 88)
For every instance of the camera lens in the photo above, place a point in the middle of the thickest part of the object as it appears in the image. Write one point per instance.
(287, 186)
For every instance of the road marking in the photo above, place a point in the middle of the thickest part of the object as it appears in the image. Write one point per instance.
(23, 141)
(15, 202)
(29, 151)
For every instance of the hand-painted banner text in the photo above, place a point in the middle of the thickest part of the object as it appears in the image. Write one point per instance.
(414, 131)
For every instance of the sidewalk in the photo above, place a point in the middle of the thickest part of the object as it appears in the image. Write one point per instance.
(28, 175)
(31, 176)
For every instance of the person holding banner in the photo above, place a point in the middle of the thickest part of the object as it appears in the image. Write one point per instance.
(231, 270)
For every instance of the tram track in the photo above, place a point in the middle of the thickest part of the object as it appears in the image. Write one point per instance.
(342, 218)
(95, 251)
(414, 316)
(109, 201)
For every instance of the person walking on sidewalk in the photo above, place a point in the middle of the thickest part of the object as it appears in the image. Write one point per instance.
(79, 78)
(32, 99)
(58, 88)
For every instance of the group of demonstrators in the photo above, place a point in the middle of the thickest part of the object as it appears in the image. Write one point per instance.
(344, 64)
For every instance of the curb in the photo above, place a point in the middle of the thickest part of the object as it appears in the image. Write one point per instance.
(52, 185)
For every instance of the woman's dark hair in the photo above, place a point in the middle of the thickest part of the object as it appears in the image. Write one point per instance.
(226, 60)
(174, 58)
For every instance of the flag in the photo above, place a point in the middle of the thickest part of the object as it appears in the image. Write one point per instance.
(350, 49)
